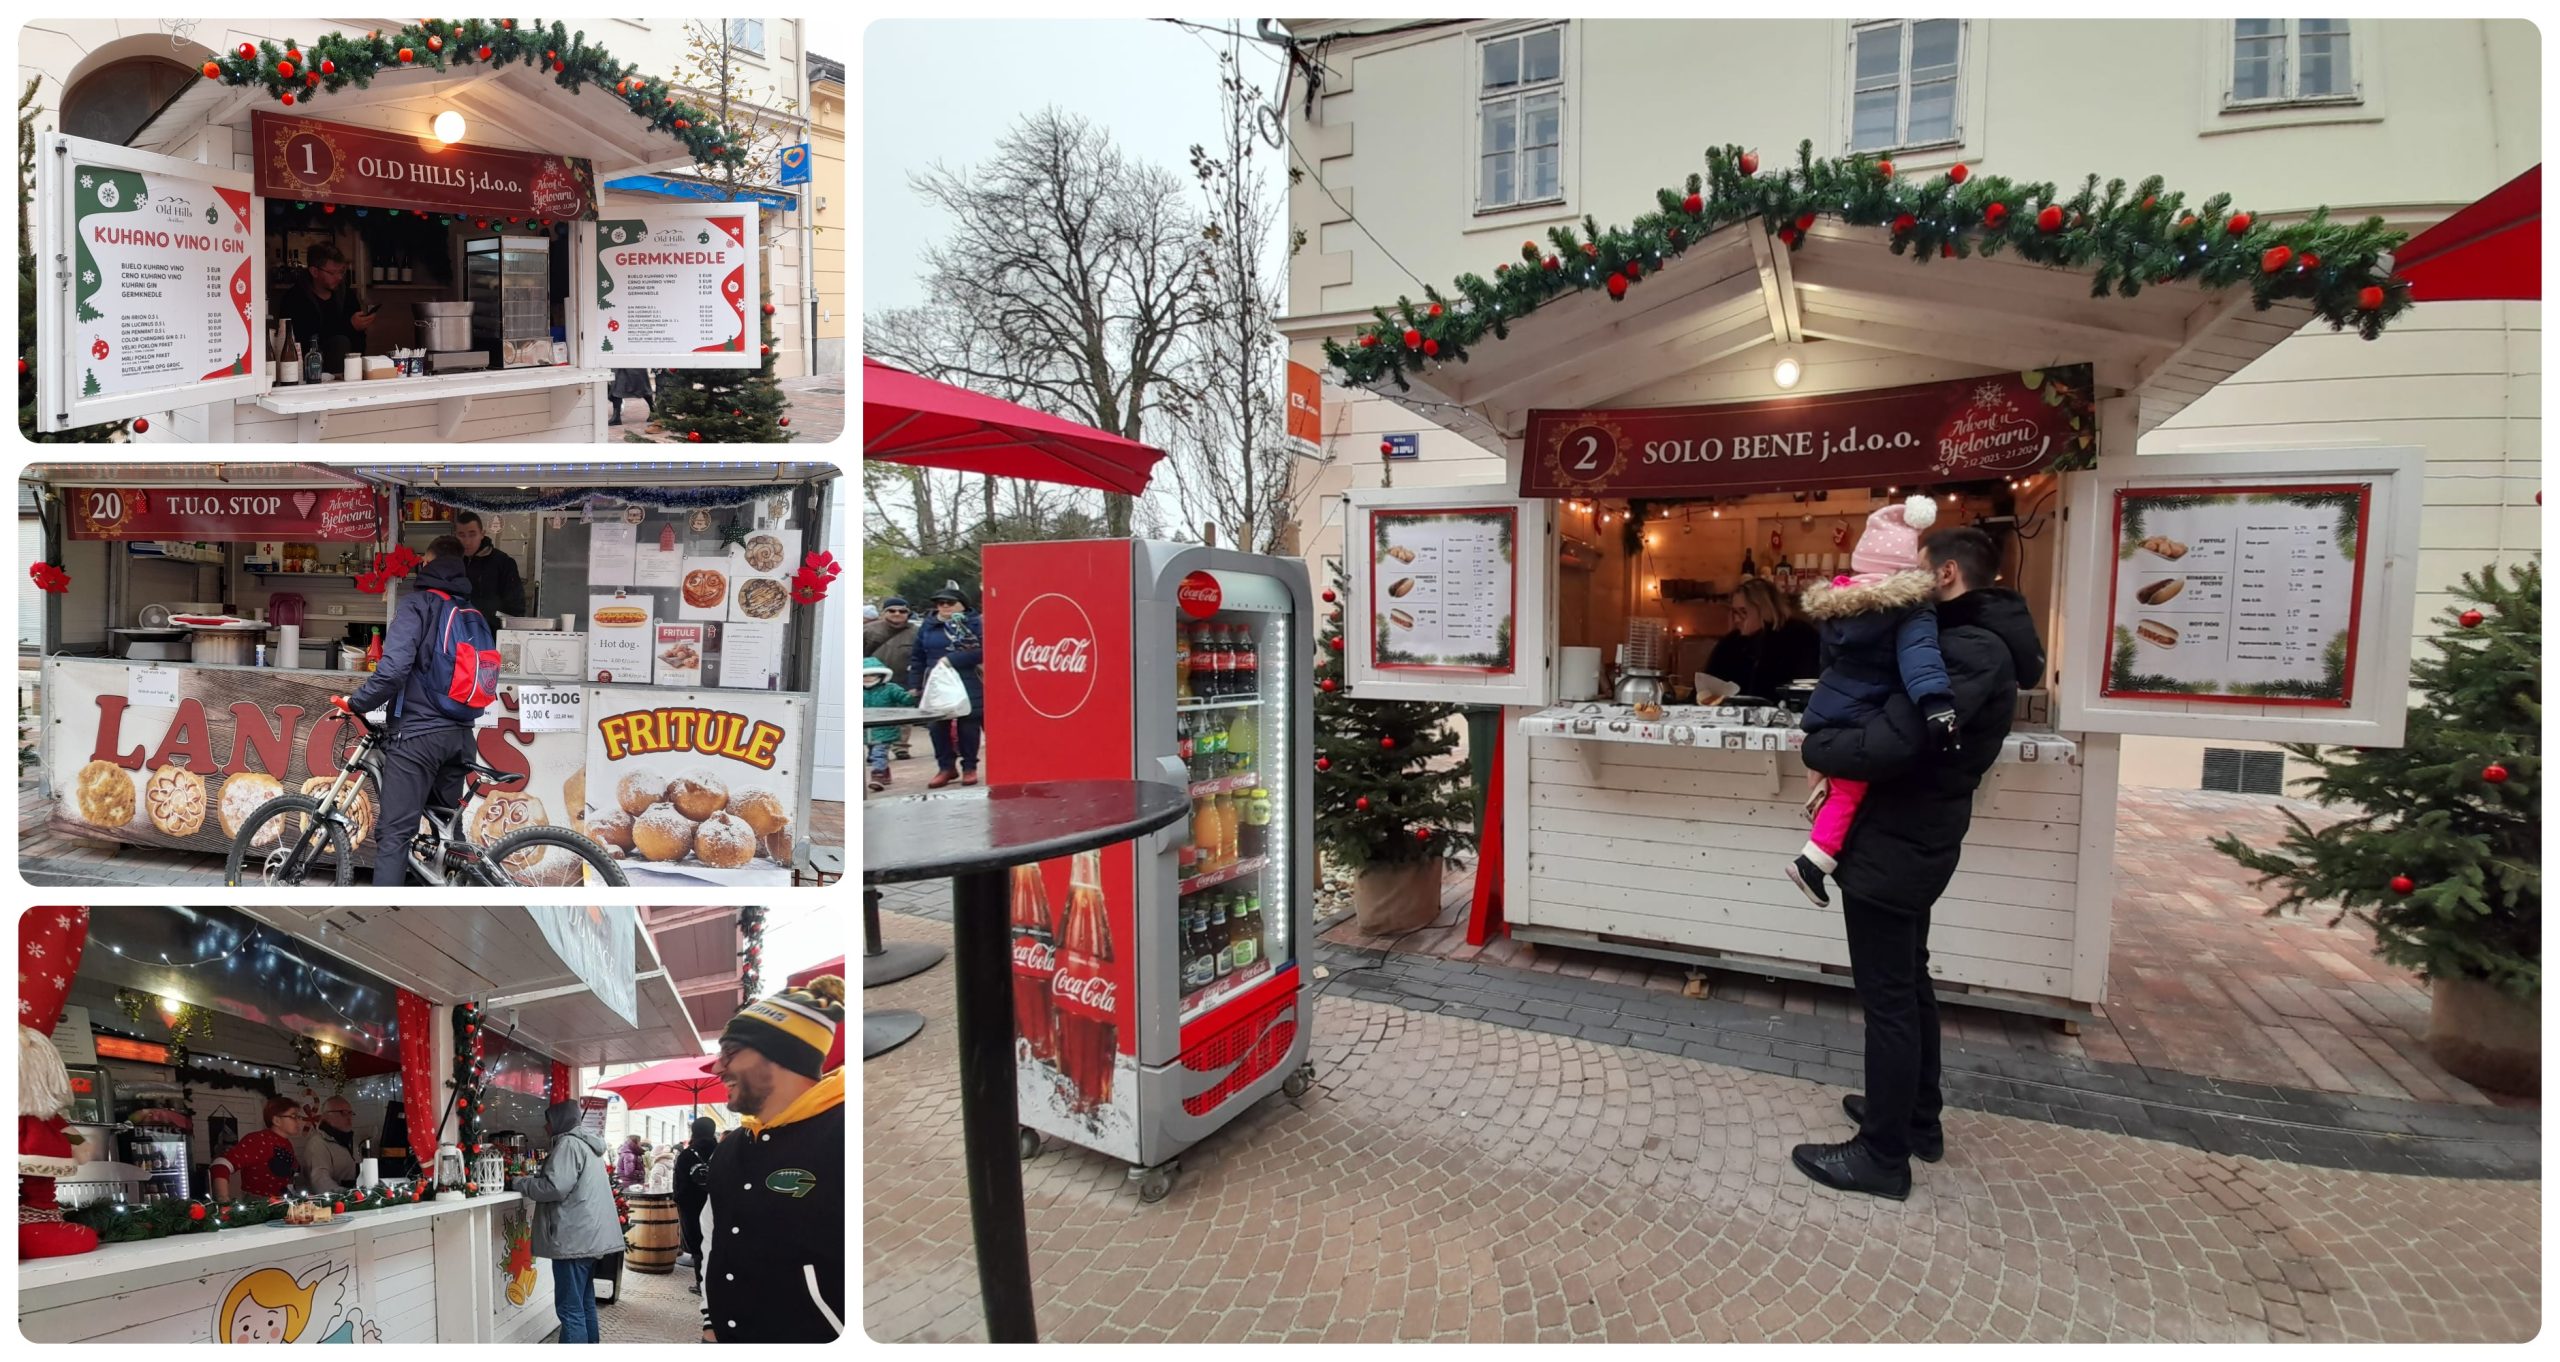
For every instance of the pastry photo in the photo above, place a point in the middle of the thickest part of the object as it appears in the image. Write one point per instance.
(764, 552)
(705, 588)
(2162, 546)
(762, 598)
(1400, 553)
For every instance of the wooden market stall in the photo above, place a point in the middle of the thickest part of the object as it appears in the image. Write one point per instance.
(1728, 413)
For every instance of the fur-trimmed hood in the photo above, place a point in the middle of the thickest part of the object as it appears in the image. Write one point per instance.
(1901, 591)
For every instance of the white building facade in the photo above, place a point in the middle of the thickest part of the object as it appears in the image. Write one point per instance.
(1430, 149)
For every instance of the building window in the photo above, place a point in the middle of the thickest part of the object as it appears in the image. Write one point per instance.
(113, 103)
(2285, 61)
(1520, 119)
(1902, 83)
(747, 34)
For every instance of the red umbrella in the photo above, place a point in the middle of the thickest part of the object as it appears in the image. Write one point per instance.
(908, 418)
(2488, 251)
(676, 1083)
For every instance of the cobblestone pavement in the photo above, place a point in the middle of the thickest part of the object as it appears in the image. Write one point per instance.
(1457, 1180)
(654, 1308)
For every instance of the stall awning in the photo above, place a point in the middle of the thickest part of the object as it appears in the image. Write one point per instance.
(669, 186)
(908, 418)
(192, 475)
(699, 947)
(601, 474)
(2491, 250)
(501, 955)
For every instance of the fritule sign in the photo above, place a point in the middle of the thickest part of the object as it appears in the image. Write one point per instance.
(710, 732)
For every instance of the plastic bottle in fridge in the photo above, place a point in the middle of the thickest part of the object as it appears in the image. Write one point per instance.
(1204, 835)
(1240, 739)
(1181, 662)
(1228, 826)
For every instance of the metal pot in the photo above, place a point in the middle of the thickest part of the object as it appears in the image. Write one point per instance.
(443, 326)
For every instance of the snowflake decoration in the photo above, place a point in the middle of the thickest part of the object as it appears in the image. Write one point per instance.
(88, 276)
(88, 182)
(240, 286)
(620, 235)
(25, 1007)
(1989, 395)
(60, 982)
(35, 950)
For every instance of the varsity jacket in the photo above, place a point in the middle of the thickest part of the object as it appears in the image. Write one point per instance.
(773, 1259)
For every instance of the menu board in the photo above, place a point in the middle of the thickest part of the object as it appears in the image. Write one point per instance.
(161, 288)
(620, 637)
(680, 653)
(2242, 595)
(674, 285)
(1442, 588)
(751, 655)
(610, 547)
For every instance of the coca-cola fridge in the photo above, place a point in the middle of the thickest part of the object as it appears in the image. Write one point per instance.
(1158, 984)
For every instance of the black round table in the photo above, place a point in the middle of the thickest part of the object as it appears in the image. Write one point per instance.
(883, 962)
(976, 837)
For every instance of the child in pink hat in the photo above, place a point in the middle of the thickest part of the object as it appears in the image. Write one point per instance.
(1879, 636)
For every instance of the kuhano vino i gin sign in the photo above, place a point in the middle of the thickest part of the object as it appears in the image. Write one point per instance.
(161, 287)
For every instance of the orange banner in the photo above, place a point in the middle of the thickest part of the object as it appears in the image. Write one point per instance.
(1305, 429)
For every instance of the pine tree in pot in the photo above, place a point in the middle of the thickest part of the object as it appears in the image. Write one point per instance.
(1390, 807)
(2444, 854)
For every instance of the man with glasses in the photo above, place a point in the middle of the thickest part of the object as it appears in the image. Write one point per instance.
(329, 1151)
(892, 639)
(323, 310)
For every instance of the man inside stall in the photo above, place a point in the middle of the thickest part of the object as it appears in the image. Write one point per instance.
(329, 1152)
(497, 585)
(323, 310)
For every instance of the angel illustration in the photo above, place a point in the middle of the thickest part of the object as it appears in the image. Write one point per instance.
(269, 1306)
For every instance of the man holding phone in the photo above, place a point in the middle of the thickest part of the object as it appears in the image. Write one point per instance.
(323, 310)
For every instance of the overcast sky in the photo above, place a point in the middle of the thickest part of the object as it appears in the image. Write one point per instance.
(945, 90)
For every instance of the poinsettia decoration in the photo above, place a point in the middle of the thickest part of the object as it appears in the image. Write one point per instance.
(49, 578)
(388, 568)
(818, 571)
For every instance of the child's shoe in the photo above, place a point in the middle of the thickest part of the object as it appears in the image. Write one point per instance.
(1808, 877)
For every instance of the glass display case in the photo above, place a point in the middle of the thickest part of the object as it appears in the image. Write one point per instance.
(508, 282)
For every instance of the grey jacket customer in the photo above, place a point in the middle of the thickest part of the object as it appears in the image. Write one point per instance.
(573, 1215)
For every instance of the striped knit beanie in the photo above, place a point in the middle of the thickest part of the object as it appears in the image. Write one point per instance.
(794, 1028)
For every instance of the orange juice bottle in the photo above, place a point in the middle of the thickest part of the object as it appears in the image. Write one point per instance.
(1204, 834)
(1228, 826)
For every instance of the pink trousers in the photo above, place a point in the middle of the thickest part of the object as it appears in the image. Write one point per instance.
(1831, 822)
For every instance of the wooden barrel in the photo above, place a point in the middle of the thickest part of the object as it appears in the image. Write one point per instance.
(653, 1236)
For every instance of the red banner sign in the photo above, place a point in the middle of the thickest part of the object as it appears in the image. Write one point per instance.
(303, 158)
(334, 515)
(1961, 430)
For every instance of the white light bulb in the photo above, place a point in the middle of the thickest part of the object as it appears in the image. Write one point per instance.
(1788, 371)
(449, 127)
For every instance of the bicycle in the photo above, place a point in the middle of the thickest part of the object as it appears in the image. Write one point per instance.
(303, 828)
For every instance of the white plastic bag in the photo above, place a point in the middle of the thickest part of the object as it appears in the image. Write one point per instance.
(944, 695)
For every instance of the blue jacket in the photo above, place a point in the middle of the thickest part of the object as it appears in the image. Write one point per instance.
(1879, 640)
(403, 644)
(964, 641)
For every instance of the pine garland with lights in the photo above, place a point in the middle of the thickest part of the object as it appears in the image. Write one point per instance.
(2131, 239)
(294, 74)
(470, 1079)
(123, 1222)
(1385, 794)
(751, 951)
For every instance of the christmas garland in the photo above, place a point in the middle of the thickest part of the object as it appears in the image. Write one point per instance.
(470, 1076)
(119, 1222)
(293, 73)
(2143, 237)
(751, 952)
(569, 498)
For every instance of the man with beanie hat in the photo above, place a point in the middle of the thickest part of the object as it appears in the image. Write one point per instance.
(772, 1262)
(574, 1222)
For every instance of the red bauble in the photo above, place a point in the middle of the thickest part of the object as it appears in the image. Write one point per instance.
(1431, 347)
(681, 125)
(1787, 235)
(1634, 271)
(1946, 250)
(1553, 264)
(1884, 168)
(480, 222)
(1362, 803)
(2370, 298)
(310, 78)
(248, 52)
(141, 425)
(1422, 834)
(328, 67)
(285, 69)
(2310, 261)
(768, 309)
(407, 56)
(2276, 258)
(2186, 220)
(734, 413)
(1324, 763)
(694, 436)
(1412, 339)
(1749, 163)
(550, 56)
(2050, 220)
(337, 1208)
(782, 420)
(559, 66)
(2403, 885)
(1369, 342)
(287, 96)
(764, 349)
(483, 54)
(1959, 173)
(434, 43)
(2238, 224)
(212, 71)
(2494, 773)
(1692, 205)
(1591, 250)
(331, 208)
(1435, 310)
(1387, 743)
(22, 369)
(1617, 286)
(1337, 641)
(1904, 222)
(1386, 448)
(1804, 222)
(1528, 250)
(1995, 214)
(195, 1213)
(2470, 618)
(1327, 684)
(622, 87)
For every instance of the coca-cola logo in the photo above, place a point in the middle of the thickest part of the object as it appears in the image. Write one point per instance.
(1199, 595)
(1093, 994)
(1053, 667)
(1031, 955)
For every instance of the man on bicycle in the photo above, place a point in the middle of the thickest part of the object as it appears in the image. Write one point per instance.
(424, 754)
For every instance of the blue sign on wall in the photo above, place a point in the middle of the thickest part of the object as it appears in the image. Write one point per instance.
(795, 164)
(1404, 446)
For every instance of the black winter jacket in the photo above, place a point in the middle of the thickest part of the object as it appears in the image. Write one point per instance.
(773, 1262)
(402, 677)
(1910, 832)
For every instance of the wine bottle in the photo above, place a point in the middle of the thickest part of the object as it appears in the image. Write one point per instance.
(405, 270)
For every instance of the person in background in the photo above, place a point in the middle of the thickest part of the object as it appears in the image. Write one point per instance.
(892, 639)
(693, 1190)
(1770, 645)
(772, 1261)
(879, 692)
(626, 1162)
(265, 1162)
(631, 383)
(496, 586)
(574, 1222)
(329, 1151)
(959, 636)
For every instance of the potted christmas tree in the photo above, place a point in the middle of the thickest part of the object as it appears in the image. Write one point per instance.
(2443, 853)
(1390, 807)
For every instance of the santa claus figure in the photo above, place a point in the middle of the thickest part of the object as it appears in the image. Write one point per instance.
(50, 941)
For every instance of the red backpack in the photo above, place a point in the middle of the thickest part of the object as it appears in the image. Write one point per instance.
(460, 658)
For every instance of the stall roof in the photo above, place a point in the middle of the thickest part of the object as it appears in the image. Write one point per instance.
(507, 105)
(242, 474)
(592, 472)
(1737, 290)
(699, 947)
(500, 954)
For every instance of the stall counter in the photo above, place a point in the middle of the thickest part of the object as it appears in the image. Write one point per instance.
(435, 1272)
